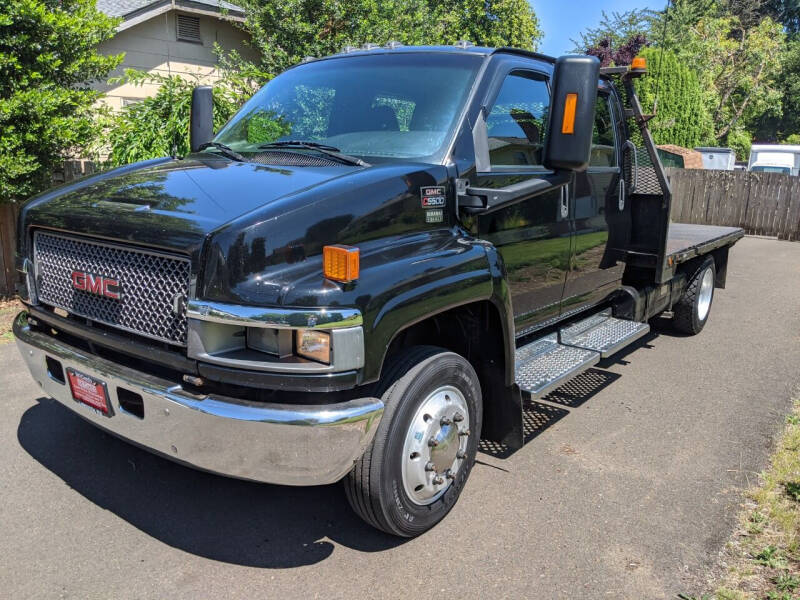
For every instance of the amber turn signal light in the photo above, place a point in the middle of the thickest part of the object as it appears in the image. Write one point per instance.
(639, 63)
(340, 263)
(570, 106)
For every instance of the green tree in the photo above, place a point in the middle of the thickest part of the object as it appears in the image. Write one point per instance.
(738, 65)
(47, 59)
(286, 31)
(682, 115)
(783, 120)
(616, 29)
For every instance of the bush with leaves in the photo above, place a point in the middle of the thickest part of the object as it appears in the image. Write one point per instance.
(682, 117)
(159, 125)
(48, 56)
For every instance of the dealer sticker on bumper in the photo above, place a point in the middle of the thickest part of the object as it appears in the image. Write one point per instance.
(89, 391)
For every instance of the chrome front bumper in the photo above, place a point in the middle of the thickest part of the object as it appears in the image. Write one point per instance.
(273, 443)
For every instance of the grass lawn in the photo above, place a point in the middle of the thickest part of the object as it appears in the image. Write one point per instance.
(8, 310)
(763, 557)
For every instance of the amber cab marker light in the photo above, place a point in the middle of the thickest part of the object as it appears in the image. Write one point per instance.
(570, 105)
(639, 63)
(340, 263)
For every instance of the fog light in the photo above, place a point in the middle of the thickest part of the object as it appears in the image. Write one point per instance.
(314, 344)
(270, 341)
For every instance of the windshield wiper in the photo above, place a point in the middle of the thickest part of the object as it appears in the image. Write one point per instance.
(331, 151)
(225, 150)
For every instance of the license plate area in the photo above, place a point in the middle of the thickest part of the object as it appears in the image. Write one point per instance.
(89, 391)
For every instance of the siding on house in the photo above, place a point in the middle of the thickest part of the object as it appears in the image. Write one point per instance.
(152, 45)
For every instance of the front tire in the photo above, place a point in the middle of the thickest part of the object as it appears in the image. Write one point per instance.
(692, 310)
(416, 467)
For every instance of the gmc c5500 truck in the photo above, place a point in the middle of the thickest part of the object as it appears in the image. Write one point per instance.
(370, 267)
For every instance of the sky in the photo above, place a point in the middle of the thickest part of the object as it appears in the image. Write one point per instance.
(562, 20)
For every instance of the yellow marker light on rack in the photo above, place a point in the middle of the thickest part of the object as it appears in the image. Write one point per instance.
(340, 263)
(639, 63)
(570, 106)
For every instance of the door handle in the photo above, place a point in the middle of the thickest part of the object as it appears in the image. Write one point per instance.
(565, 202)
(621, 203)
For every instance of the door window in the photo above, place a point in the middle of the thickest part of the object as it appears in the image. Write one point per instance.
(516, 123)
(604, 153)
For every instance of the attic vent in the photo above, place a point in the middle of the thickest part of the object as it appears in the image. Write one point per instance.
(189, 29)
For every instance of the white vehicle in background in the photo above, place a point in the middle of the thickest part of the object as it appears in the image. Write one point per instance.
(775, 159)
(722, 159)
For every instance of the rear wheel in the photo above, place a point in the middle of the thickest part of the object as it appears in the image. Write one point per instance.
(425, 446)
(692, 310)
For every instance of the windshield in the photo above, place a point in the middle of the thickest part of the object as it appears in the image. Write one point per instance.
(762, 169)
(378, 107)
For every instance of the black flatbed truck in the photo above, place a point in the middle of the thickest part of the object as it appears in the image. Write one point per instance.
(365, 271)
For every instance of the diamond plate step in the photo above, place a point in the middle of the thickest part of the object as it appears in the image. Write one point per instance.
(543, 365)
(603, 333)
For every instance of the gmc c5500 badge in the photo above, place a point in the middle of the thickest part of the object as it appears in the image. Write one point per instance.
(433, 196)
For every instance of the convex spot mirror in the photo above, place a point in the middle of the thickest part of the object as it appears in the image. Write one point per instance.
(568, 142)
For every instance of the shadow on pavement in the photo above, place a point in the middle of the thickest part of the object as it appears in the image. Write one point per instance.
(538, 416)
(239, 522)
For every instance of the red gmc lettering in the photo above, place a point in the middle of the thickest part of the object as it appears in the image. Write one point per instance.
(95, 284)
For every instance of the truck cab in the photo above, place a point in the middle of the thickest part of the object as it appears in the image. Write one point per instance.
(774, 158)
(368, 269)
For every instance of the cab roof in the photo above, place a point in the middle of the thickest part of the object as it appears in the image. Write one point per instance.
(460, 48)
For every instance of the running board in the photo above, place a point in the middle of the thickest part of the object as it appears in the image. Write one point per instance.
(603, 333)
(544, 365)
(549, 362)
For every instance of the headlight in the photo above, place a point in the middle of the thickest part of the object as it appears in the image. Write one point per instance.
(314, 344)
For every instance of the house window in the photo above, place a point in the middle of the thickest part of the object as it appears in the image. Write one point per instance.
(189, 29)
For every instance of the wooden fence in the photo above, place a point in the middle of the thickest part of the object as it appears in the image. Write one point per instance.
(8, 240)
(759, 203)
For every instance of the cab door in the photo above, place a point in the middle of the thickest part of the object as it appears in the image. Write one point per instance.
(532, 236)
(598, 211)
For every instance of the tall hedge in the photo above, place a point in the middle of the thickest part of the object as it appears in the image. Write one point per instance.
(48, 58)
(682, 116)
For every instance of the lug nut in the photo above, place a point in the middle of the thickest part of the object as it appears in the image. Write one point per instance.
(433, 443)
(449, 474)
(438, 480)
(429, 466)
(461, 455)
(464, 432)
(445, 421)
(458, 417)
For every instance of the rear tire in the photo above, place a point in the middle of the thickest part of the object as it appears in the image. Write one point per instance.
(389, 487)
(692, 310)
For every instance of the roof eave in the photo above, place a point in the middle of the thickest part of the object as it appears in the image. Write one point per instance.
(153, 10)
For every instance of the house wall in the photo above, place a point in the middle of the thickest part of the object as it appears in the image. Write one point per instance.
(153, 46)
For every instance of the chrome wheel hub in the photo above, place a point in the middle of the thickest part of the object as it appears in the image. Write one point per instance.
(705, 294)
(436, 445)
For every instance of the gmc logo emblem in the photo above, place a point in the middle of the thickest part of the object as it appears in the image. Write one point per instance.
(96, 284)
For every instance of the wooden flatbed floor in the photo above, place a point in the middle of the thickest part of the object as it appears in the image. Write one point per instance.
(685, 241)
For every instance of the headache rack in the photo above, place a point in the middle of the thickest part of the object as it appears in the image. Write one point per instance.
(646, 182)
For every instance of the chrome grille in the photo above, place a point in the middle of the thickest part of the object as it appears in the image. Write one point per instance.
(153, 286)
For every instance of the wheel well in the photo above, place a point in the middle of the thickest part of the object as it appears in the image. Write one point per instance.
(473, 330)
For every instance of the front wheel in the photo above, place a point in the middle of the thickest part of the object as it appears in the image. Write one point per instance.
(413, 472)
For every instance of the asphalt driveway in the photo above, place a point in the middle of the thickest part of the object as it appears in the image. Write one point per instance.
(627, 488)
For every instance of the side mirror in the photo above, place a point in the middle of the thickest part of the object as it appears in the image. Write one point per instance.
(568, 143)
(201, 128)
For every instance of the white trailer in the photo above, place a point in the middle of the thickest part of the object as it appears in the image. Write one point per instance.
(775, 159)
(722, 159)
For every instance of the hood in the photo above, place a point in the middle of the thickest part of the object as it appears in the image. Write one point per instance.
(168, 203)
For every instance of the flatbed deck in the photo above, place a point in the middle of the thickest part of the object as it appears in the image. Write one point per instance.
(685, 241)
